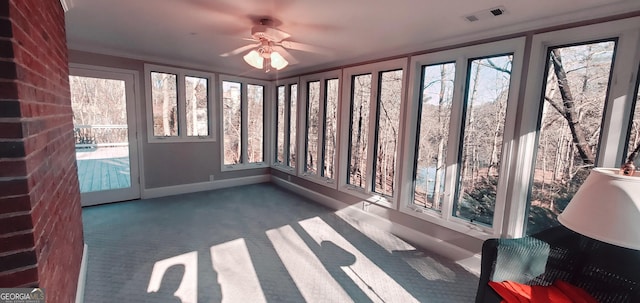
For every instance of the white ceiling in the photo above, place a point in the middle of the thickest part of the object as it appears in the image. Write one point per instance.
(193, 33)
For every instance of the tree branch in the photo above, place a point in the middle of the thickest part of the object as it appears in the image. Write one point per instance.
(555, 105)
(498, 68)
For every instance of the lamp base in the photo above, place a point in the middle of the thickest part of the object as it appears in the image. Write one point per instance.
(628, 169)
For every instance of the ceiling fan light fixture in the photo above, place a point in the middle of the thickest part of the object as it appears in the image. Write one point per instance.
(277, 61)
(254, 59)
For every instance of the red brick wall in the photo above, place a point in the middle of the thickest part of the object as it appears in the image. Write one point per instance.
(40, 218)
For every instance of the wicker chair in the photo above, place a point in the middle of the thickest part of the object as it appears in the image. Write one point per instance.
(608, 272)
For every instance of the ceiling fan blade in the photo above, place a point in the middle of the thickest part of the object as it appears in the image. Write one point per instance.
(250, 39)
(277, 34)
(303, 47)
(262, 31)
(286, 54)
(239, 50)
(224, 19)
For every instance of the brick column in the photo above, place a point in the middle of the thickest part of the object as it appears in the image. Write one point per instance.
(40, 217)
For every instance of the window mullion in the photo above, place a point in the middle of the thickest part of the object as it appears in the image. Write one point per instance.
(321, 126)
(215, 123)
(344, 155)
(182, 105)
(267, 123)
(301, 112)
(284, 119)
(522, 166)
(287, 122)
(244, 106)
(455, 138)
(373, 123)
(620, 100)
(296, 115)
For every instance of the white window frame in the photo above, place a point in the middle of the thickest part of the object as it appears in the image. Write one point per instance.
(304, 82)
(131, 78)
(265, 128)
(461, 57)
(616, 112)
(367, 194)
(274, 113)
(180, 73)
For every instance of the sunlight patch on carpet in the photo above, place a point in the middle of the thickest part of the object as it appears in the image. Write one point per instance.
(236, 273)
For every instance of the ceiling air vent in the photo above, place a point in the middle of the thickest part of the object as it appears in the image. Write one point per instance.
(486, 14)
(497, 11)
(471, 18)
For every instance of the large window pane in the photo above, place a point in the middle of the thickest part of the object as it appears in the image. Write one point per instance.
(292, 123)
(164, 104)
(387, 130)
(178, 105)
(255, 125)
(313, 112)
(574, 97)
(358, 130)
(434, 113)
(101, 133)
(486, 105)
(197, 106)
(280, 124)
(232, 122)
(330, 127)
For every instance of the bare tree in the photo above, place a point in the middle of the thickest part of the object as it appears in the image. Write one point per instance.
(313, 124)
(568, 109)
(359, 129)
(330, 127)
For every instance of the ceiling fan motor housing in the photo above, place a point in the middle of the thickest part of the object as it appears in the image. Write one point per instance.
(265, 32)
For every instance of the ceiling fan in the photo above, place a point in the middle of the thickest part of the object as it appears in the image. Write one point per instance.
(270, 47)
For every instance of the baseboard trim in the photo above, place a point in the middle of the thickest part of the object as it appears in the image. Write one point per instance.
(469, 260)
(82, 276)
(202, 186)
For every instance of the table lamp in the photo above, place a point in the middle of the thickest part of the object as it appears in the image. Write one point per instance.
(606, 208)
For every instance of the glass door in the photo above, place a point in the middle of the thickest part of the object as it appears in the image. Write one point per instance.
(103, 103)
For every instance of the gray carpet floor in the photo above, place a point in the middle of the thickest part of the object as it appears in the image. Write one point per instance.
(256, 243)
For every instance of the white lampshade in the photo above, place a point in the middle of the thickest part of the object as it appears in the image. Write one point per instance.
(254, 59)
(606, 208)
(277, 61)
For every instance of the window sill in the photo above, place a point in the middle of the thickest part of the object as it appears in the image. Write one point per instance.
(235, 167)
(330, 183)
(372, 198)
(456, 224)
(180, 139)
(284, 168)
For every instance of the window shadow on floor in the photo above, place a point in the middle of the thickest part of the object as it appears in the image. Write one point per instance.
(259, 242)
